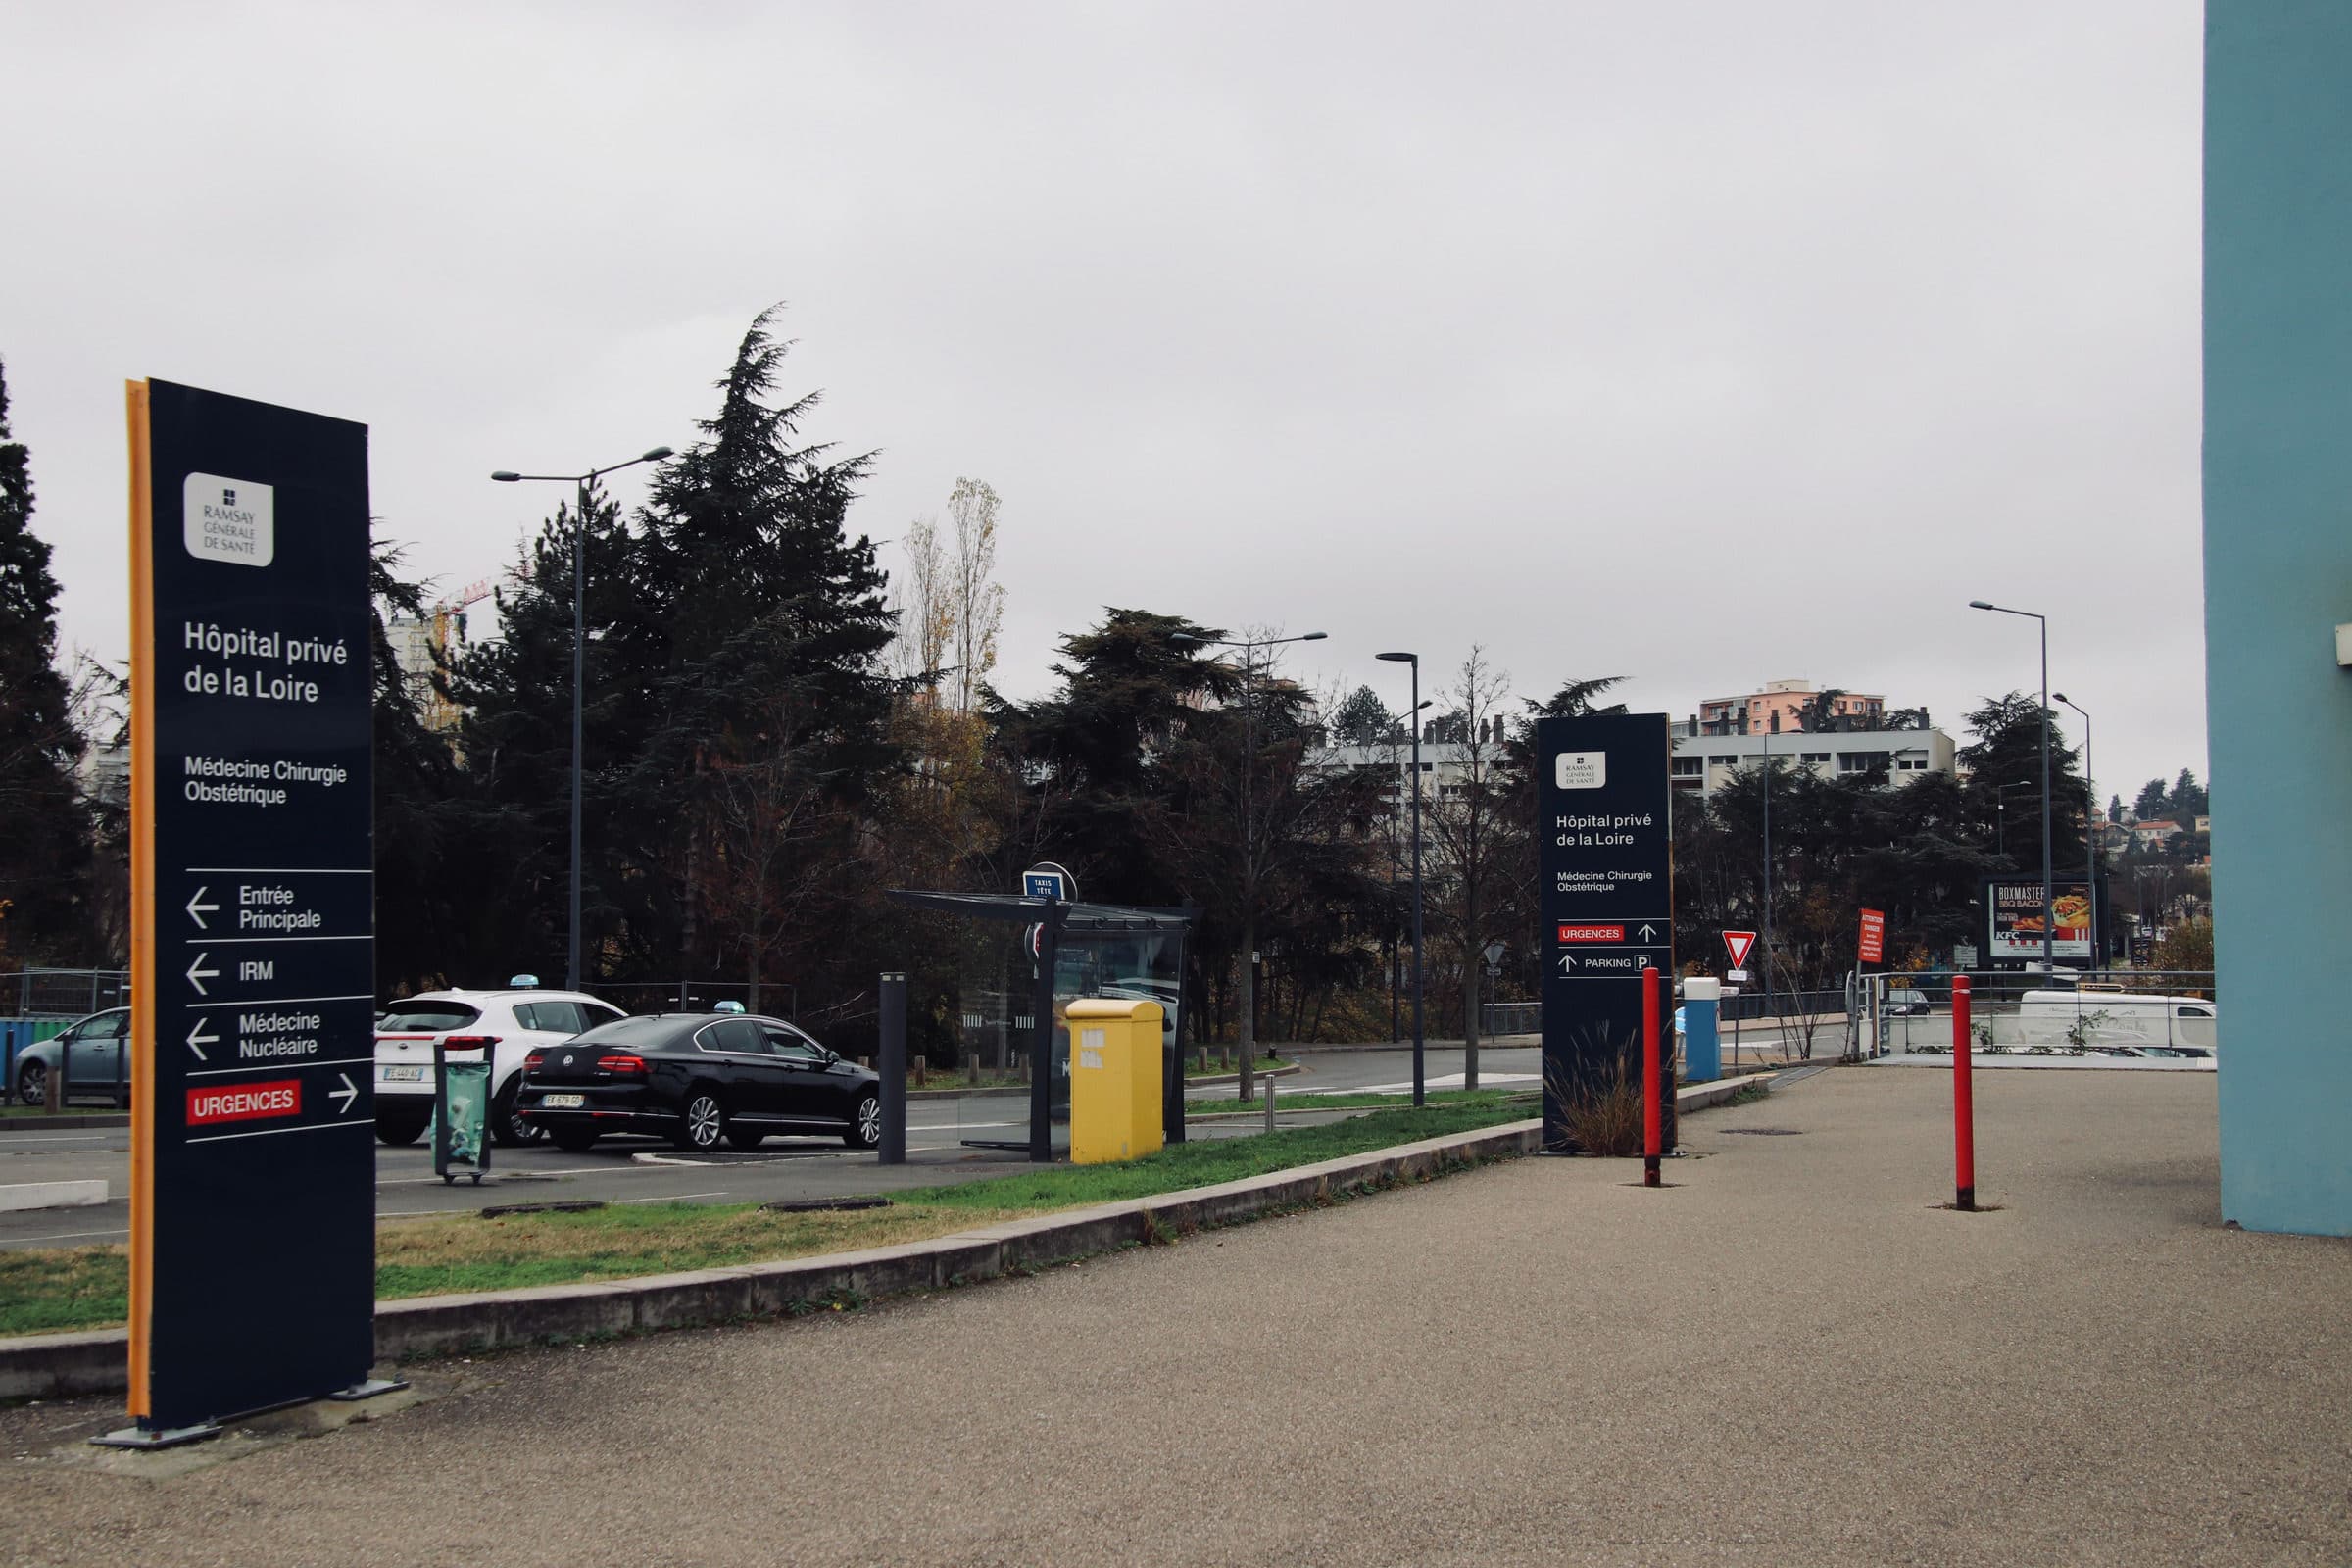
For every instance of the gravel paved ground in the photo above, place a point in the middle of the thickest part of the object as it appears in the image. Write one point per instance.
(1790, 1357)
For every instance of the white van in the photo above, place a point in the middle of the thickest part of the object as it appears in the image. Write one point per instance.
(2103, 1018)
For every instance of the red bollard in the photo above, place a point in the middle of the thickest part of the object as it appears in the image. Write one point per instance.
(1651, 1131)
(1964, 1103)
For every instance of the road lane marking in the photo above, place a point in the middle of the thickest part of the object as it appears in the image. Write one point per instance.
(668, 1197)
(548, 1175)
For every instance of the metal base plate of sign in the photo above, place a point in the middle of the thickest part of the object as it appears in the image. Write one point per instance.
(143, 1438)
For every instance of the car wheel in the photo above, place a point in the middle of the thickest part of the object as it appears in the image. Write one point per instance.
(507, 1128)
(704, 1122)
(32, 1083)
(865, 1125)
(574, 1140)
(398, 1132)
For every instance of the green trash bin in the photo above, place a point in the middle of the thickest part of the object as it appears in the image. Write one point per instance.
(461, 1126)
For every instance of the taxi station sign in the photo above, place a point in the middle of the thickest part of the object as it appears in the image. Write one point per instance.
(252, 938)
(1607, 840)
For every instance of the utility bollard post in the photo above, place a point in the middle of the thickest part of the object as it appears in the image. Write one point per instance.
(1964, 1103)
(1702, 1045)
(1269, 1104)
(1651, 1133)
(893, 1149)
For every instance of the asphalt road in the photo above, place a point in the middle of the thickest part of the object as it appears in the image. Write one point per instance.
(636, 1170)
(1791, 1355)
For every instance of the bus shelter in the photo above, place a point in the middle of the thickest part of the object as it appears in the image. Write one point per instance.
(1081, 949)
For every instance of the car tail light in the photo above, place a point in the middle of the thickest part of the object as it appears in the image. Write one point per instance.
(534, 1061)
(469, 1041)
(620, 1063)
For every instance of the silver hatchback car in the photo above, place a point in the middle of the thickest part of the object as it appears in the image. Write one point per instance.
(95, 1058)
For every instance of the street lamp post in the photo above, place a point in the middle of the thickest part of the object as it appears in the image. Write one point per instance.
(579, 661)
(1768, 733)
(1420, 1039)
(2048, 938)
(2090, 832)
(1396, 1030)
(1249, 647)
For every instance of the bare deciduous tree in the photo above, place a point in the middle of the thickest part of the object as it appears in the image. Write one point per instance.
(977, 601)
(925, 602)
(1470, 826)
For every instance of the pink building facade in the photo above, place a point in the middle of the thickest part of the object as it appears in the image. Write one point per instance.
(1781, 708)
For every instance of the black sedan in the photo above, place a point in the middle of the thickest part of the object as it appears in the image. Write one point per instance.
(695, 1078)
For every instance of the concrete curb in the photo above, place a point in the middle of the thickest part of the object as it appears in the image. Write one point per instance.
(55, 1365)
(62, 1123)
(18, 1198)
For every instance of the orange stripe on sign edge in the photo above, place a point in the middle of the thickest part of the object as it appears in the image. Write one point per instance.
(144, 1107)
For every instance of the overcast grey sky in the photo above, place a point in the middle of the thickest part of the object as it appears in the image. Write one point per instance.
(1704, 343)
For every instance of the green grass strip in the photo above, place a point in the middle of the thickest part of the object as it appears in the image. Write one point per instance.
(45, 1291)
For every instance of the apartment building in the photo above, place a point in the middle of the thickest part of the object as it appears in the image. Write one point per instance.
(1835, 733)
(1786, 705)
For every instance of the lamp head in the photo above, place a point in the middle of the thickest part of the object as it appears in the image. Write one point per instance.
(1399, 659)
(1313, 636)
(2060, 697)
(504, 477)
(1187, 639)
(656, 455)
(1978, 604)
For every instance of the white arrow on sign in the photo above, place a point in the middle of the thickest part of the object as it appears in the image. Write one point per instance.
(1567, 962)
(349, 1094)
(198, 911)
(198, 1040)
(1649, 933)
(197, 976)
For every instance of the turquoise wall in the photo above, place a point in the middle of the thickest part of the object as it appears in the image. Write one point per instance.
(2277, 581)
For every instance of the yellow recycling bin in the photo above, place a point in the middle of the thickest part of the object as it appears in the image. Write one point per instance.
(1115, 1079)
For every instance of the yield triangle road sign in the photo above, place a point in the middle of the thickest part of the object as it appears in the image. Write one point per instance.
(1737, 942)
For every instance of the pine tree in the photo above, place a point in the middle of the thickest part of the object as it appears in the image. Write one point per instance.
(430, 928)
(760, 653)
(517, 744)
(2186, 801)
(45, 847)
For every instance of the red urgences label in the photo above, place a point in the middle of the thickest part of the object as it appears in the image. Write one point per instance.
(1592, 933)
(279, 1096)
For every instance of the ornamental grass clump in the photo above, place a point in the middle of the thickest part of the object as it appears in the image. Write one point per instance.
(1603, 1115)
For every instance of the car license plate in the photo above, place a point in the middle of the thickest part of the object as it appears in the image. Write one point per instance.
(562, 1102)
(404, 1075)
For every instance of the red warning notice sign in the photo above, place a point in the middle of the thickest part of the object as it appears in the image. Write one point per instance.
(1592, 933)
(279, 1096)
(1872, 948)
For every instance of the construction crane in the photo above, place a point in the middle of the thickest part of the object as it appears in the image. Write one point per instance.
(431, 642)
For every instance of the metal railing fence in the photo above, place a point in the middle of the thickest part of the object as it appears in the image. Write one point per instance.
(2122, 1012)
(66, 994)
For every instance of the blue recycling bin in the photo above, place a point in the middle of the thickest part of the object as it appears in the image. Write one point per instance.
(1702, 1047)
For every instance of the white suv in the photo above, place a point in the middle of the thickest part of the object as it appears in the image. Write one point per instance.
(512, 1024)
